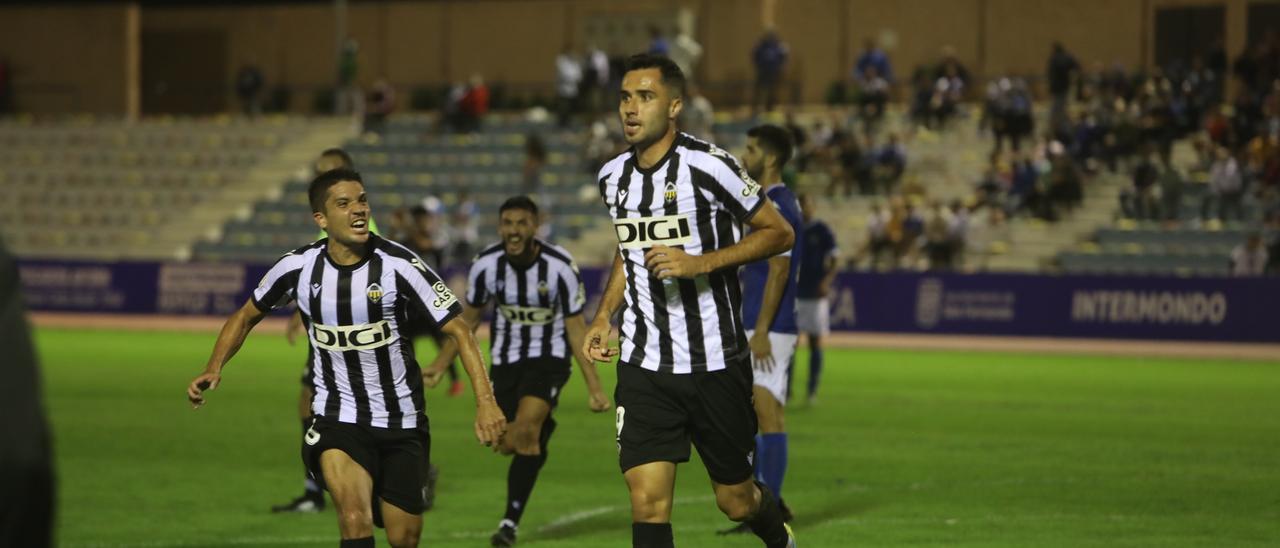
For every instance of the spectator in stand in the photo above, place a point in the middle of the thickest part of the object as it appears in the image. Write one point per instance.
(1024, 189)
(594, 87)
(873, 95)
(1226, 188)
(684, 50)
(1141, 200)
(936, 239)
(879, 245)
(1171, 183)
(658, 44)
(1249, 258)
(249, 84)
(1061, 71)
(535, 159)
(568, 81)
(426, 236)
(350, 100)
(1066, 190)
(890, 164)
(872, 57)
(474, 104)
(908, 224)
(697, 116)
(770, 59)
(948, 92)
(382, 101)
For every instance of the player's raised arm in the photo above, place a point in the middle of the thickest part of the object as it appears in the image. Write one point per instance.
(234, 331)
(597, 336)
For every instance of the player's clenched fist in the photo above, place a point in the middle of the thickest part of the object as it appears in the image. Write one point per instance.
(490, 424)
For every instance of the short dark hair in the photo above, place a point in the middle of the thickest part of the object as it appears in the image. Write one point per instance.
(347, 163)
(519, 202)
(672, 76)
(319, 188)
(774, 140)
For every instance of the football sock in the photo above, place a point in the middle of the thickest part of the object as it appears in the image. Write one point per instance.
(520, 479)
(366, 542)
(651, 535)
(767, 523)
(523, 473)
(773, 464)
(815, 370)
(310, 485)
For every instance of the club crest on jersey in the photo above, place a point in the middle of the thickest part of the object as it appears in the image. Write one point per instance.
(374, 292)
(669, 193)
(542, 288)
(444, 297)
(645, 232)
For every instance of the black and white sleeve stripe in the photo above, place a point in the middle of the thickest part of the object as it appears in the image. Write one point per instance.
(279, 286)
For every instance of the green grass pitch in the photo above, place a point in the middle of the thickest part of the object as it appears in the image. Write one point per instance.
(903, 449)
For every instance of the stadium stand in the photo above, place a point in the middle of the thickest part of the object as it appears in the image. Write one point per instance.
(104, 189)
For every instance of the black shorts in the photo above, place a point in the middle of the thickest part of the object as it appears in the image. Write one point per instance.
(542, 378)
(397, 460)
(660, 413)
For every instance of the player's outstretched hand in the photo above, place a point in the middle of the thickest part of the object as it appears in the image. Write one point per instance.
(490, 424)
(195, 390)
(761, 351)
(672, 262)
(596, 342)
(598, 402)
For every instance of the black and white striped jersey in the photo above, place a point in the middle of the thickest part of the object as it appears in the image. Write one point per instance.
(357, 318)
(532, 302)
(696, 198)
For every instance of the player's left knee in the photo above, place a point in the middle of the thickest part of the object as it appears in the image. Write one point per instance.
(525, 439)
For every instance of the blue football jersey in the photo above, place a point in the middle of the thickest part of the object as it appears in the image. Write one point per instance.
(755, 274)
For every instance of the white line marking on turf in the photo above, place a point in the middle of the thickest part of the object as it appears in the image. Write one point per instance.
(571, 518)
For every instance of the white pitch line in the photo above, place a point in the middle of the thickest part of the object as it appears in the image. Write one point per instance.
(571, 518)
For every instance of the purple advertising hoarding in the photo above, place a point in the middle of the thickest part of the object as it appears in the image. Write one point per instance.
(1211, 309)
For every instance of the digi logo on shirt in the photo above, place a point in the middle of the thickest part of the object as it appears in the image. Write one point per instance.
(341, 338)
(527, 315)
(643, 232)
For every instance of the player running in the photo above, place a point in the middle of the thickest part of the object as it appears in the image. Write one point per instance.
(368, 438)
(538, 325)
(769, 311)
(684, 372)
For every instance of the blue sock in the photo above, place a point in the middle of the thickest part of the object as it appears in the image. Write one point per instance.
(815, 370)
(774, 466)
(759, 459)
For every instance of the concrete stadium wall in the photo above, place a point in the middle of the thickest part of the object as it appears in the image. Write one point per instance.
(84, 48)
